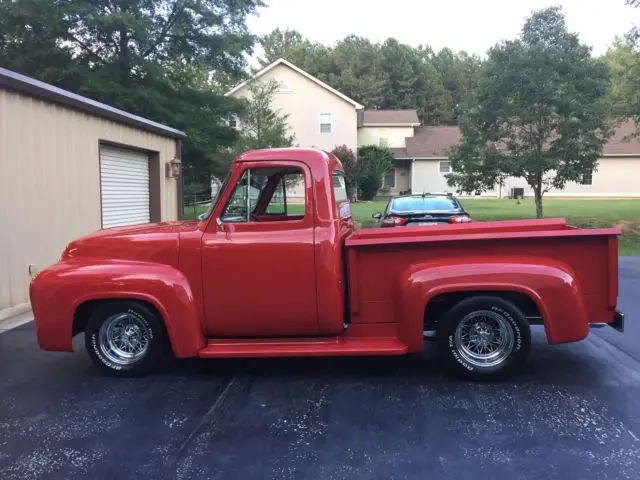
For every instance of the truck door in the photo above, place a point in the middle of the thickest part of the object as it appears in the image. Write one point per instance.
(258, 255)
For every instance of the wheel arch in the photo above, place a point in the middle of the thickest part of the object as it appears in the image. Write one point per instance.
(438, 304)
(64, 295)
(550, 285)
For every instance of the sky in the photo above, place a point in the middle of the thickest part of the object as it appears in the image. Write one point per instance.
(471, 25)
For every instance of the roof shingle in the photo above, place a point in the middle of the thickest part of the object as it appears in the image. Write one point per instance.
(390, 117)
(433, 141)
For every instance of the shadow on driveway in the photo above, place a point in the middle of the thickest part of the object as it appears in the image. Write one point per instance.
(571, 413)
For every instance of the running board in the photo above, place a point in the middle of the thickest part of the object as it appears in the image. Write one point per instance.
(302, 347)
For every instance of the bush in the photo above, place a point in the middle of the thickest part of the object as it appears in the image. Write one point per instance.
(372, 164)
(348, 159)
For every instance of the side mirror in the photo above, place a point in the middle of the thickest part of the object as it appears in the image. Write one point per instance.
(376, 215)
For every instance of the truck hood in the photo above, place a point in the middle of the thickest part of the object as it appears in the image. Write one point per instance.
(154, 242)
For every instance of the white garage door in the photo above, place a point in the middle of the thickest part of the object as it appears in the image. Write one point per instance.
(124, 184)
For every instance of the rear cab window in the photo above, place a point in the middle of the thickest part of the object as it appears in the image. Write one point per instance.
(340, 194)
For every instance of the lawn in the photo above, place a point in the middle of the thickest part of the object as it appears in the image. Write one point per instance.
(585, 213)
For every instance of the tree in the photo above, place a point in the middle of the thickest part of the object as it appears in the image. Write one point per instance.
(623, 60)
(260, 125)
(413, 82)
(350, 166)
(288, 44)
(154, 58)
(540, 112)
(357, 70)
(459, 72)
(373, 162)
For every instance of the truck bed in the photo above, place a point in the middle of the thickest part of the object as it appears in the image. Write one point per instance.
(378, 258)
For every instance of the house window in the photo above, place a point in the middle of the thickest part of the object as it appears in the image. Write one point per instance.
(383, 142)
(587, 178)
(390, 178)
(283, 87)
(445, 167)
(233, 123)
(325, 123)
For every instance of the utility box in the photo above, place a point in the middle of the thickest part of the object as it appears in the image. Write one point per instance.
(516, 193)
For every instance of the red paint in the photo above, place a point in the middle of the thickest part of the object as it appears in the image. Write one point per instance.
(222, 291)
(460, 219)
(392, 221)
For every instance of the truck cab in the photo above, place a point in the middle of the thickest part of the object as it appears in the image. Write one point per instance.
(277, 255)
(276, 267)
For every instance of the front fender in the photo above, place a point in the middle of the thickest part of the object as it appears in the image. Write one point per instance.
(59, 290)
(552, 285)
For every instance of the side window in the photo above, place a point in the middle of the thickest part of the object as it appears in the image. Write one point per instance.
(267, 194)
(236, 209)
(289, 196)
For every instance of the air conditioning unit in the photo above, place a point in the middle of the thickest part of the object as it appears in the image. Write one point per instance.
(516, 193)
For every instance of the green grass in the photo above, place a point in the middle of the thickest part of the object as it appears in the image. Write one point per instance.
(584, 213)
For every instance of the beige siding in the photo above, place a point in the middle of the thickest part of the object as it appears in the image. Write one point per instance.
(50, 185)
(304, 103)
(426, 177)
(615, 177)
(394, 135)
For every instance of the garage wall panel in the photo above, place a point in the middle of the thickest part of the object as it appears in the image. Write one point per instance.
(50, 183)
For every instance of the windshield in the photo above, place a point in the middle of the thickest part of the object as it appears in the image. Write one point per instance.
(424, 204)
(215, 198)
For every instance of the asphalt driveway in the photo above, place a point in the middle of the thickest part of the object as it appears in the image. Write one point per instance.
(573, 413)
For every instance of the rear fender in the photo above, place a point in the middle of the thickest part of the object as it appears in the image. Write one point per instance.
(58, 291)
(549, 283)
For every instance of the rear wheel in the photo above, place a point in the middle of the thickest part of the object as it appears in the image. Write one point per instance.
(125, 338)
(484, 338)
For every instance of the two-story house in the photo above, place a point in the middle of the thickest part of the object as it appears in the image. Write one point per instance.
(323, 117)
(318, 115)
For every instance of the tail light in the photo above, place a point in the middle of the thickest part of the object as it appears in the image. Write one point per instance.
(393, 221)
(460, 219)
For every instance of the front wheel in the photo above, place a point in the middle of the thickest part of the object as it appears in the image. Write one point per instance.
(484, 338)
(125, 338)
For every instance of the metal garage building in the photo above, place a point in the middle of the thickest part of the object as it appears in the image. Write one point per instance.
(70, 166)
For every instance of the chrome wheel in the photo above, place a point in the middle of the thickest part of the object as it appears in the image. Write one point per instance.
(484, 338)
(124, 339)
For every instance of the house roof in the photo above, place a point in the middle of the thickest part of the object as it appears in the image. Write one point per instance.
(381, 118)
(433, 141)
(282, 61)
(35, 88)
(618, 144)
(399, 152)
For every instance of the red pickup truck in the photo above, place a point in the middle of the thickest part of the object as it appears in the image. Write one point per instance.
(264, 275)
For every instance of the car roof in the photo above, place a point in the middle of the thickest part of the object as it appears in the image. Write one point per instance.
(421, 195)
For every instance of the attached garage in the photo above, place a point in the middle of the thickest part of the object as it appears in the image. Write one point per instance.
(72, 166)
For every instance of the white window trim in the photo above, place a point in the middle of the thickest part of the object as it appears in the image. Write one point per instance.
(440, 166)
(324, 123)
